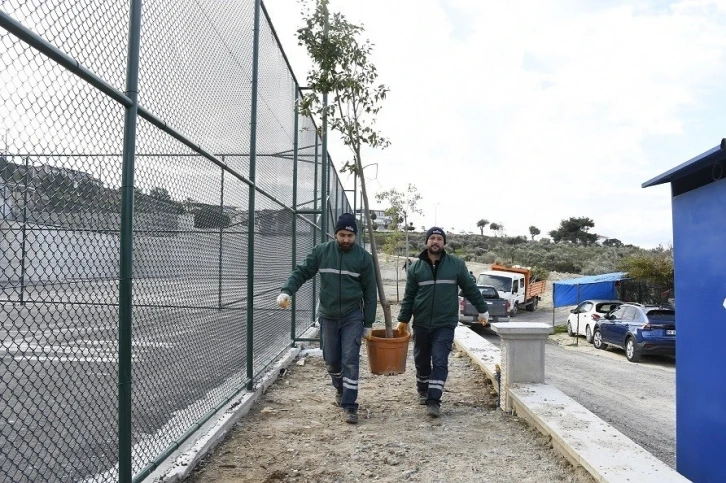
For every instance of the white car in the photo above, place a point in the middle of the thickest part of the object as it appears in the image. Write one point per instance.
(582, 319)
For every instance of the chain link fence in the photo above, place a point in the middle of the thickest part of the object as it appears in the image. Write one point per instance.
(104, 375)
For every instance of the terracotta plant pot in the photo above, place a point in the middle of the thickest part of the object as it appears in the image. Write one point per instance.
(387, 356)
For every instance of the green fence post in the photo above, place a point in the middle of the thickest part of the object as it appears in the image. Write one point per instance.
(315, 230)
(253, 189)
(125, 468)
(221, 233)
(293, 331)
(24, 232)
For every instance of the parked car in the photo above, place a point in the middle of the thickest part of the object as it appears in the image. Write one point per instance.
(496, 306)
(638, 329)
(582, 318)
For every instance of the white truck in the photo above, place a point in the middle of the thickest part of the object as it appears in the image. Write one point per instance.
(515, 285)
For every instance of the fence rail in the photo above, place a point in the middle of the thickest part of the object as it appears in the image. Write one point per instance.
(158, 185)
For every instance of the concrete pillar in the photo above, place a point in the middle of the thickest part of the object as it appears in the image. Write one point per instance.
(522, 356)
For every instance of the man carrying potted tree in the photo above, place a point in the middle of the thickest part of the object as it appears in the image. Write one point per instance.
(347, 306)
(431, 296)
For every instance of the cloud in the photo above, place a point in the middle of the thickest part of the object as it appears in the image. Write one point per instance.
(526, 113)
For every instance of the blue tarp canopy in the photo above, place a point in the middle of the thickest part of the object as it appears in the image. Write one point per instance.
(575, 290)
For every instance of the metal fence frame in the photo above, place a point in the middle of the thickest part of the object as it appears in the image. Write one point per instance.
(328, 203)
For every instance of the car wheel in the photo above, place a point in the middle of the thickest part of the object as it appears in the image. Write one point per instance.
(597, 340)
(631, 350)
(588, 334)
(514, 309)
(535, 304)
(569, 330)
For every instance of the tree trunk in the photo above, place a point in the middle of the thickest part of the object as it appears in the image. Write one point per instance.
(405, 222)
(369, 223)
(398, 260)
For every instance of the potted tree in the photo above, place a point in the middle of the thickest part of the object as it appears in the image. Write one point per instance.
(342, 69)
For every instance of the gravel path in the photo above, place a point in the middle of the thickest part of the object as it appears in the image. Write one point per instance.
(294, 432)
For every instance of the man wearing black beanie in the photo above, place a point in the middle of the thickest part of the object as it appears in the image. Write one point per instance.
(347, 306)
(431, 297)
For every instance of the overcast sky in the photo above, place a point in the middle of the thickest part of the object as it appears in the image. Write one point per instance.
(526, 113)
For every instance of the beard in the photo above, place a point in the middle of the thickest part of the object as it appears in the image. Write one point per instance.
(346, 247)
(434, 249)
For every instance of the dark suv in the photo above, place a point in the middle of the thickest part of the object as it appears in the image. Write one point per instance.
(639, 329)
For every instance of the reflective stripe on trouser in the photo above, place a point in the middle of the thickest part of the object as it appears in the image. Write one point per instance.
(341, 351)
(431, 349)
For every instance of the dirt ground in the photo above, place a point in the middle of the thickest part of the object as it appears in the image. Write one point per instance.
(294, 432)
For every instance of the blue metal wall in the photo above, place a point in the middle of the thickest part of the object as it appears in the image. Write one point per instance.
(699, 240)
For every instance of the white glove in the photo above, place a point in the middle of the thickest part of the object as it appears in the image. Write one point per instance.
(484, 318)
(283, 300)
(367, 333)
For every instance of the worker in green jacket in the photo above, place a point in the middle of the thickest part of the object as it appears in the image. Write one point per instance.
(347, 306)
(431, 297)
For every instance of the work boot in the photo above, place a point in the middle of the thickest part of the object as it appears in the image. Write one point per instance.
(338, 398)
(422, 397)
(433, 410)
(350, 415)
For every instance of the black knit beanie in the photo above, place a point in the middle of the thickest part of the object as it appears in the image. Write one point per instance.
(346, 222)
(435, 230)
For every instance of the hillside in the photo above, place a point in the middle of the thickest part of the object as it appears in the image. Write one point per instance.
(544, 254)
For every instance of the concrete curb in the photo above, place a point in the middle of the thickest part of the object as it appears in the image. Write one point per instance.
(182, 462)
(585, 439)
(578, 434)
(482, 352)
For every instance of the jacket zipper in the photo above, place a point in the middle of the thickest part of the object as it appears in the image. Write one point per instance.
(340, 284)
(434, 272)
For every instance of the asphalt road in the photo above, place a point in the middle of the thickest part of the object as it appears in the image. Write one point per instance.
(59, 360)
(638, 399)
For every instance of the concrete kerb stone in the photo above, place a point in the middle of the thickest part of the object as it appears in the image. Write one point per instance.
(181, 463)
(481, 352)
(586, 440)
(578, 434)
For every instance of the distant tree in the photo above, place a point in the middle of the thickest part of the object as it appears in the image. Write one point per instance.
(481, 224)
(515, 240)
(402, 205)
(653, 267)
(612, 242)
(575, 230)
(161, 194)
(497, 228)
(171, 206)
(534, 231)
(210, 217)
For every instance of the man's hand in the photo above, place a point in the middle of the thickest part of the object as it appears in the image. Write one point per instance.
(402, 329)
(367, 333)
(283, 300)
(484, 318)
